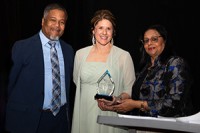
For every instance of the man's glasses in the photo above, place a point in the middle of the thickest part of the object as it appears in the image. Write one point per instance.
(153, 39)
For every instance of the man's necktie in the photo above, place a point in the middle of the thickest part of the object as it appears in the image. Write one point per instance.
(56, 91)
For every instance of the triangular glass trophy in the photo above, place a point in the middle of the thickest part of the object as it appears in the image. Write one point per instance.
(106, 87)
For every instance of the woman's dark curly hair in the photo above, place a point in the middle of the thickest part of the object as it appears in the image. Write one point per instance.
(167, 52)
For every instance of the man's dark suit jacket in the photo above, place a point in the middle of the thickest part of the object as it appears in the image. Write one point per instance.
(26, 84)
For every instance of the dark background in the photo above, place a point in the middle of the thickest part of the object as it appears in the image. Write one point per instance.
(22, 18)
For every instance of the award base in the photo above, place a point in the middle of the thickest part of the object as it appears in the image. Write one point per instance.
(98, 96)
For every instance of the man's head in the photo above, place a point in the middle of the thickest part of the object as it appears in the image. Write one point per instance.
(53, 21)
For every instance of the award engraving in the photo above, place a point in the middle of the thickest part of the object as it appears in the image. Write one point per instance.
(106, 87)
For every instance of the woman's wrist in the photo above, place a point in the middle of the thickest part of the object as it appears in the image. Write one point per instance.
(143, 106)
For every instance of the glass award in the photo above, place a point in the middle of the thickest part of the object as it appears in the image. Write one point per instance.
(105, 87)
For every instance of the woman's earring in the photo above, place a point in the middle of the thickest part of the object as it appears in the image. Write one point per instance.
(112, 41)
(93, 40)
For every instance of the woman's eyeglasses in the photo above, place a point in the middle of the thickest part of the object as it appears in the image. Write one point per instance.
(153, 39)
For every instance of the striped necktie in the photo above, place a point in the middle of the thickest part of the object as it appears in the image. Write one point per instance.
(56, 91)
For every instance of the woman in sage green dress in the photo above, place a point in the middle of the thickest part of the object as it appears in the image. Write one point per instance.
(90, 64)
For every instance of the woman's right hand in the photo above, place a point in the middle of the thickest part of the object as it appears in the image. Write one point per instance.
(102, 104)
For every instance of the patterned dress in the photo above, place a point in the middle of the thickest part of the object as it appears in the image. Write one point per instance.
(166, 88)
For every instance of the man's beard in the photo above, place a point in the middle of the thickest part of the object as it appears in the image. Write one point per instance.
(55, 38)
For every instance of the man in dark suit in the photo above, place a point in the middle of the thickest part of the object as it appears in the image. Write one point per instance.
(29, 108)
